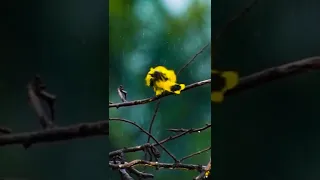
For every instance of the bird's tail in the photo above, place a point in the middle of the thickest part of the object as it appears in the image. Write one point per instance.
(177, 88)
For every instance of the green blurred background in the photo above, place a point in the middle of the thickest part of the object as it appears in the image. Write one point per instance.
(146, 34)
(270, 132)
(66, 43)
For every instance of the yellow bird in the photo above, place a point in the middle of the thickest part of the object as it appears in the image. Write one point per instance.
(231, 79)
(162, 79)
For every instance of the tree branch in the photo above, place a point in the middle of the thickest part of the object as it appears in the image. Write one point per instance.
(150, 129)
(153, 118)
(148, 100)
(58, 133)
(194, 154)
(139, 174)
(191, 130)
(101, 128)
(193, 58)
(267, 75)
(146, 132)
(139, 162)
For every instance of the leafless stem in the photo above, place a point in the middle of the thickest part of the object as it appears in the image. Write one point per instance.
(191, 130)
(194, 154)
(57, 134)
(156, 165)
(150, 135)
(150, 127)
(193, 58)
(139, 174)
(153, 118)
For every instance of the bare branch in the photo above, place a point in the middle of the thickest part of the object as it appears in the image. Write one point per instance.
(194, 154)
(267, 75)
(150, 129)
(139, 174)
(148, 100)
(191, 130)
(150, 135)
(57, 134)
(193, 58)
(157, 165)
(153, 118)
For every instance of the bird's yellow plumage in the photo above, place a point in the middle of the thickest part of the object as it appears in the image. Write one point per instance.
(162, 79)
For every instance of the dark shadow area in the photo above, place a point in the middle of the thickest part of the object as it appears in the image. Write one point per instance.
(66, 43)
(270, 132)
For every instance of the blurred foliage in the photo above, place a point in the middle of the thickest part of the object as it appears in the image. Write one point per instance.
(272, 131)
(146, 34)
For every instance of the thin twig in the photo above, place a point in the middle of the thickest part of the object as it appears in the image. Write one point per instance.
(139, 127)
(156, 165)
(142, 175)
(150, 127)
(57, 134)
(234, 19)
(193, 58)
(148, 100)
(153, 118)
(194, 154)
(190, 130)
